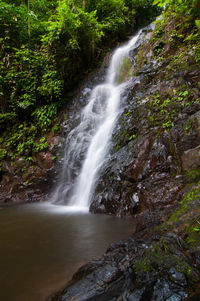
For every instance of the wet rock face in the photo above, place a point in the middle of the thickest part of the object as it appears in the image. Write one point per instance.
(24, 183)
(142, 183)
(191, 159)
(142, 175)
(124, 273)
(147, 161)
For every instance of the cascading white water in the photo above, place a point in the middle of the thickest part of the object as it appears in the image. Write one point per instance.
(88, 144)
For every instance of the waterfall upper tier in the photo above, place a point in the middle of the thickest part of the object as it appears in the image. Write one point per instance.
(88, 144)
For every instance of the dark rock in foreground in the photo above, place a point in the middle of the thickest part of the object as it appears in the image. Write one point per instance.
(150, 266)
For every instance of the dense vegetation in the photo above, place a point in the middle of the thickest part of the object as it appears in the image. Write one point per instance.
(46, 49)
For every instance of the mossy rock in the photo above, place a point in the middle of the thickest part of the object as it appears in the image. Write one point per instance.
(124, 70)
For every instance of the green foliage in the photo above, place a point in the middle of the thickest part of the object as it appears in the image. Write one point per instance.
(145, 11)
(164, 110)
(46, 47)
(168, 125)
(72, 25)
(193, 232)
(118, 16)
(181, 8)
(7, 118)
(112, 14)
(162, 253)
(143, 266)
(13, 26)
(184, 205)
(197, 54)
(197, 22)
(28, 147)
(44, 116)
(3, 153)
(158, 48)
(22, 141)
(132, 137)
(193, 176)
(187, 213)
(30, 78)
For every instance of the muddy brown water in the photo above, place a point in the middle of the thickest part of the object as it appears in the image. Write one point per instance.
(42, 245)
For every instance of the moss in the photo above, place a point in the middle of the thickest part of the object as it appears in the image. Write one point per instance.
(159, 257)
(164, 108)
(158, 48)
(140, 57)
(124, 70)
(188, 126)
(193, 176)
(143, 266)
(136, 73)
(184, 206)
(193, 232)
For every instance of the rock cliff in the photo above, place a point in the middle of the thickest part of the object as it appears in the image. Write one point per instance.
(153, 173)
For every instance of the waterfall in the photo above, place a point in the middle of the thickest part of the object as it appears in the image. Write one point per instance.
(87, 145)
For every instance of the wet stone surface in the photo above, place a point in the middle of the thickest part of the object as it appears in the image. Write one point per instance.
(119, 274)
(147, 175)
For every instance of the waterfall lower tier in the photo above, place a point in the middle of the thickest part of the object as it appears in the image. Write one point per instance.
(96, 152)
(88, 144)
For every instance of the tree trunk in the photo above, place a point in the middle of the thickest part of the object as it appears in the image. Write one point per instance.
(29, 25)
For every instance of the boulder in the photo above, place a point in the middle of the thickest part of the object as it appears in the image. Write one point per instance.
(191, 159)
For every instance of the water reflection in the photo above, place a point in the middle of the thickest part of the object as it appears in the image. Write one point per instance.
(41, 245)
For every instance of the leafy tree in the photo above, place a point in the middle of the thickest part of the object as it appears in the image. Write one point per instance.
(46, 48)
(13, 26)
(189, 7)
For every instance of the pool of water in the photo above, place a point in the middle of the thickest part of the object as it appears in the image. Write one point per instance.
(42, 245)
